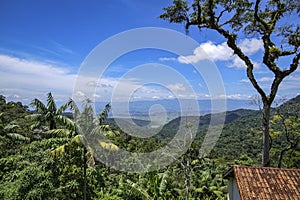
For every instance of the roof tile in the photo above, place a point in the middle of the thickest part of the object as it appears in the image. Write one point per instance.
(264, 183)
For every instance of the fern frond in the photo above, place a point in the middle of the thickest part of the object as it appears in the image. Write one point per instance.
(64, 107)
(51, 106)
(59, 132)
(19, 137)
(39, 106)
(58, 151)
(77, 140)
(33, 117)
(11, 126)
(70, 124)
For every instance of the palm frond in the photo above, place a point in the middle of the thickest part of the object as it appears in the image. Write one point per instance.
(105, 130)
(48, 115)
(74, 107)
(104, 114)
(36, 125)
(51, 106)
(59, 132)
(58, 151)
(17, 136)
(77, 140)
(39, 106)
(64, 107)
(65, 121)
(11, 126)
(33, 117)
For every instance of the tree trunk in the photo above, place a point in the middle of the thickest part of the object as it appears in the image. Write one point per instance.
(281, 157)
(266, 135)
(52, 125)
(84, 173)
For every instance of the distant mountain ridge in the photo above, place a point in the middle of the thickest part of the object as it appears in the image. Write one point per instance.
(242, 114)
(173, 108)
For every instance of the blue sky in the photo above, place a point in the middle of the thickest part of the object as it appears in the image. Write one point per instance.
(44, 43)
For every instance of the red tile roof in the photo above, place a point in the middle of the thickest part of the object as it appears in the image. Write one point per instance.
(264, 183)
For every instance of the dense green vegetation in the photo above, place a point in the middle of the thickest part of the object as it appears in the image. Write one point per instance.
(43, 155)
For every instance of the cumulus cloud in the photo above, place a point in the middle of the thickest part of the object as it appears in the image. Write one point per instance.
(221, 52)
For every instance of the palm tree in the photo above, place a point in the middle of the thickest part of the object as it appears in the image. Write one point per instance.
(49, 114)
(84, 126)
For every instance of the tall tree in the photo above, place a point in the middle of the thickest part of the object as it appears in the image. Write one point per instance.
(235, 19)
(84, 126)
(48, 114)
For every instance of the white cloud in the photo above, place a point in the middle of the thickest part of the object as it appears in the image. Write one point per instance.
(22, 66)
(251, 46)
(177, 87)
(207, 51)
(265, 79)
(236, 62)
(167, 59)
(245, 80)
(24, 78)
(221, 52)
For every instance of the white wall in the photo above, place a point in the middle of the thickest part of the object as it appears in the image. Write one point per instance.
(233, 192)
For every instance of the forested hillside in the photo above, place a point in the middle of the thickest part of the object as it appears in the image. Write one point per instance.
(43, 156)
(241, 135)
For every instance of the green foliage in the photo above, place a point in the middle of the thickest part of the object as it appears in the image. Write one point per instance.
(48, 114)
(59, 166)
(285, 134)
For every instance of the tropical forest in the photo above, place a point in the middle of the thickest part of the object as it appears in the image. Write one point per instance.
(55, 147)
(43, 155)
